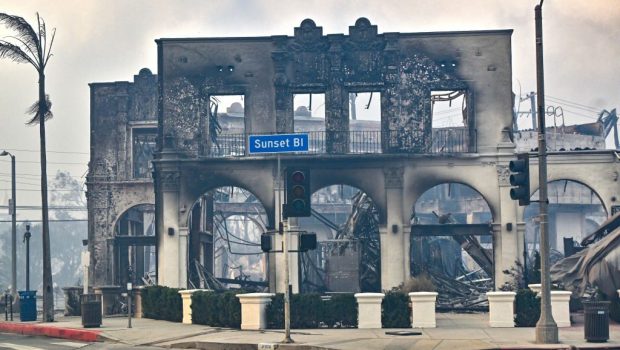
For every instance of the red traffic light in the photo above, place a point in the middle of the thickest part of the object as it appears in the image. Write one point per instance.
(298, 177)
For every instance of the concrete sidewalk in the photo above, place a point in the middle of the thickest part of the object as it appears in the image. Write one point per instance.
(453, 332)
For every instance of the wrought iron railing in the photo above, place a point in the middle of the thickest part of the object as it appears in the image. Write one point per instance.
(446, 140)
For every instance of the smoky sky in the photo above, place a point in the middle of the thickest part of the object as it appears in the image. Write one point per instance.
(101, 41)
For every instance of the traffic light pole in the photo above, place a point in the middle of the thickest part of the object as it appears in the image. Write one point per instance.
(546, 328)
(287, 292)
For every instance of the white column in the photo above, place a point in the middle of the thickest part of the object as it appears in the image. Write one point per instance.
(393, 256)
(168, 249)
(501, 309)
(423, 309)
(507, 249)
(560, 307)
(186, 297)
(369, 310)
(183, 244)
(253, 310)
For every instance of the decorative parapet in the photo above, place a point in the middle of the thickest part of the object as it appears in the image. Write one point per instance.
(369, 310)
(501, 309)
(253, 310)
(423, 309)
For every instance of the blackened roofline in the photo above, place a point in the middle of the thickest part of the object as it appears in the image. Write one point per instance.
(405, 35)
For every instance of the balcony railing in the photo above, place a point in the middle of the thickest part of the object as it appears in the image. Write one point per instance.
(448, 140)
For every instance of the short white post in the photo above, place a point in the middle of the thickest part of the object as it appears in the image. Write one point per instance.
(560, 307)
(253, 310)
(186, 297)
(618, 292)
(501, 309)
(369, 309)
(423, 309)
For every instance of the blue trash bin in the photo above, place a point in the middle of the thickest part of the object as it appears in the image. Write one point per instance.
(27, 305)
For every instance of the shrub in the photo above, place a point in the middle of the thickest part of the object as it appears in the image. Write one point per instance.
(614, 309)
(216, 309)
(162, 303)
(395, 310)
(340, 311)
(527, 307)
(310, 311)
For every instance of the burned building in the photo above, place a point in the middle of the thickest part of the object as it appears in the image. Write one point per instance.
(210, 197)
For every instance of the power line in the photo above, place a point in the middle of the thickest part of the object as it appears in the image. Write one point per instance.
(34, 175)
(50, 220)
(37, 151)
(575, 103)
(36, 162)
(29, 207)
(33, 190)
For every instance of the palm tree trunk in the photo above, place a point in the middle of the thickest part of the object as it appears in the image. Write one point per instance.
(48, 290)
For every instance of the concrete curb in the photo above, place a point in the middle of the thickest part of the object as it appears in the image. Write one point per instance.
(51, 331)
(244, 346)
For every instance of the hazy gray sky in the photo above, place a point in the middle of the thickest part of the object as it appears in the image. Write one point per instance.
(112, 40)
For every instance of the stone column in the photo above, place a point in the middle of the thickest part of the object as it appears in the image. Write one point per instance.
(186, 297)
(369, 310)
(393, 255)
(560, 307)
(253, 310)
(501, 309)
(423, 309)
(505, 234)
(168, 255)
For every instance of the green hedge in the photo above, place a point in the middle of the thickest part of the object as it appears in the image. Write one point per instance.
(162, 303)
(395, 310)
(310, 311)
(216, 309)
(527, 307)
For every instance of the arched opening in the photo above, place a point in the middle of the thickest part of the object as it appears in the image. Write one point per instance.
(348, 254)
(225, 225)
(452, 243)
(134, 246)
(575, 210)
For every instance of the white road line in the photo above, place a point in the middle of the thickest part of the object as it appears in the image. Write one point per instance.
(70, 344)
(18, 347)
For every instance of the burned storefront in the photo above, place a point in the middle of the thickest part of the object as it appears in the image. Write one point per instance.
(410, 135)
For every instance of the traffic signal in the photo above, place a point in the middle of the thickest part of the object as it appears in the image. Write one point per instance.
(307, 241)
(297, 192)
(520, 179)
(265, 242)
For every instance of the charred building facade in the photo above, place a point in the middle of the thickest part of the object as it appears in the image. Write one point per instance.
(405, 167)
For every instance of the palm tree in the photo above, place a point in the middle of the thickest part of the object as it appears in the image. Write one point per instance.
(31, 46)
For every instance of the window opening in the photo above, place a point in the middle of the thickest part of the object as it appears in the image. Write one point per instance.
(143, 147)
(449, 121)
(309, 117)
(227, 125)
(365, 122)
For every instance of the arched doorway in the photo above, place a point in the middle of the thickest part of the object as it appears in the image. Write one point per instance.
(225, 226)
(348, 254)
(452, 243)
(575, 211)
(134, 246)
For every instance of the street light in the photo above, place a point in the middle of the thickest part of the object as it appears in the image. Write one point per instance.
(12, 211)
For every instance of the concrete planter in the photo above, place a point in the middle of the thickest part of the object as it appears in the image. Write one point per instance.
(253, 310)
(423, 309)
(501, 309)
(560, 309)
(137, 301)
(109, 295)
(369, 309)
(186, 297)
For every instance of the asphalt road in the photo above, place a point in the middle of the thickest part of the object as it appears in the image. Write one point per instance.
(24, 342)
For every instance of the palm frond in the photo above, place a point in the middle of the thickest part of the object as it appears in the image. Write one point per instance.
(49, 48)
(36, 112)
(15, 53)
(23, 29)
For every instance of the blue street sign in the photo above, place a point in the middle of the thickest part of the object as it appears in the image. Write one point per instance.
(279, 143)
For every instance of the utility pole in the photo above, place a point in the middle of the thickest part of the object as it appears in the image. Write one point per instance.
(532, 97)
(12, 211)
(27, 236)
(546, 328)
